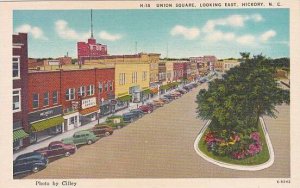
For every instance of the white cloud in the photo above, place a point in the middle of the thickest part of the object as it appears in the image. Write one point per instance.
(108, 36)
(35, 31)
(65, 32)
(188, 33)
(235, 20)
(220, 36)
(267, 35)
(246, 39)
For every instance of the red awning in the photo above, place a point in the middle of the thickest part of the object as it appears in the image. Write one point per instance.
(89, 110)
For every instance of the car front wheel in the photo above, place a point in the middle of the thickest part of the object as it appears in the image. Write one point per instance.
(107, 134)
(35, 169)
(67, 154)
(89, 142)
(149, 111)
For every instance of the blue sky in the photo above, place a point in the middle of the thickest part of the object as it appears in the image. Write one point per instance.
(220, 32)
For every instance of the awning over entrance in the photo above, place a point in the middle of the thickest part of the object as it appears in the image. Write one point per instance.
(46, 124)
(125, 98)
(89, 110)
(146, 91)
(19, 134)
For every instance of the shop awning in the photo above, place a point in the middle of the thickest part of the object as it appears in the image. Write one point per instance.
(154, 90)
(46, 124)
(89, 110)
(19, 134)
(146, 91)
(125, 98)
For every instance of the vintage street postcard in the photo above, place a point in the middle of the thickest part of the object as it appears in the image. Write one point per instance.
(149, 93)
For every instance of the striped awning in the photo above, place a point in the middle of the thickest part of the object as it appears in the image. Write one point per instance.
(46, 124)
(19, 134)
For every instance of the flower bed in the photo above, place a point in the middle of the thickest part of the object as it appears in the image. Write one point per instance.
(235, 148)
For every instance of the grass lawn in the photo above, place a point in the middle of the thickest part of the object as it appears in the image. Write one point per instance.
(260, 158)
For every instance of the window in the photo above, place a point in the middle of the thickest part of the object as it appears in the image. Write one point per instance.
(55, 97)
(122, 79)
(81, 91)
(90, 90)
(100, 87)
(111, 85)
(106, 86)
(70, 94)
(134, 77)
(35, 100)
(16, 67)
(16, 100)
(144, 78)
(46, 99)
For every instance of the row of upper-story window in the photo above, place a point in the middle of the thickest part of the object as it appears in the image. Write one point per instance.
(82, 91)
(134, 77)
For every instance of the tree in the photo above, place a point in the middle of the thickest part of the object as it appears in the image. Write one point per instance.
(246, 93)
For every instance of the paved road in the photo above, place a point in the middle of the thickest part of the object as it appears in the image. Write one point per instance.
(160, 145)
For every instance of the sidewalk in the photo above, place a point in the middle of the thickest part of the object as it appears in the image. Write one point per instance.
(70, 133)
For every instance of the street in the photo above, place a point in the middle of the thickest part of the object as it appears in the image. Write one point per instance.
(160, 145)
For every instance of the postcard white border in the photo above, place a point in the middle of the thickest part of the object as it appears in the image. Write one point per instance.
(6, 99)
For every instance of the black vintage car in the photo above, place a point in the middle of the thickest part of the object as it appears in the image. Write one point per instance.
(132, 115)
(29, 162)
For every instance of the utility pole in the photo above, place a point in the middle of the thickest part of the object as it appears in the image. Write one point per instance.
(135, 47)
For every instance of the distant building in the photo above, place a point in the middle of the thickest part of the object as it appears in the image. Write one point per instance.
(225, 65)
(90, 50)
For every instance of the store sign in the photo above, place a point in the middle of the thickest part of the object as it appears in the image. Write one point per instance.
(87, 103)
(45, 114)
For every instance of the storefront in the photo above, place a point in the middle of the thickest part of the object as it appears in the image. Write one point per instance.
(18, 138)
(122, 102)
(71, 121)
(105, 107)
(136, 94)
(145, 94)
(88, 111)
(46, 123)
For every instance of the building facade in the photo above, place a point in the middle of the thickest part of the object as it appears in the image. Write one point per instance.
(226, 64)
(21, 127)
(90, 50)
(131, 82)
(58, 101)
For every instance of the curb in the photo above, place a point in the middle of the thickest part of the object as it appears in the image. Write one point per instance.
(234, 166)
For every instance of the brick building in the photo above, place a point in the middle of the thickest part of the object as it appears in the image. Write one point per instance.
(44, 105)
(20, 77)
(59, 102)
(178, 71)
(90, 50)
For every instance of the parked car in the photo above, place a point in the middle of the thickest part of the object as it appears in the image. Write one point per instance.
(158, 103)
(102, 129)
(138, 112)
(130, 117)
(165, 100)
(146, 108)
(177, 94)
(181, 91)
(115, 121)
(170, 97)
(81, 137)
(29, 162)
(57, 148)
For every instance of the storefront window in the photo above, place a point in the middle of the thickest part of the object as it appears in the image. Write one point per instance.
(46, 99)
(18, 143)
(17, 100)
